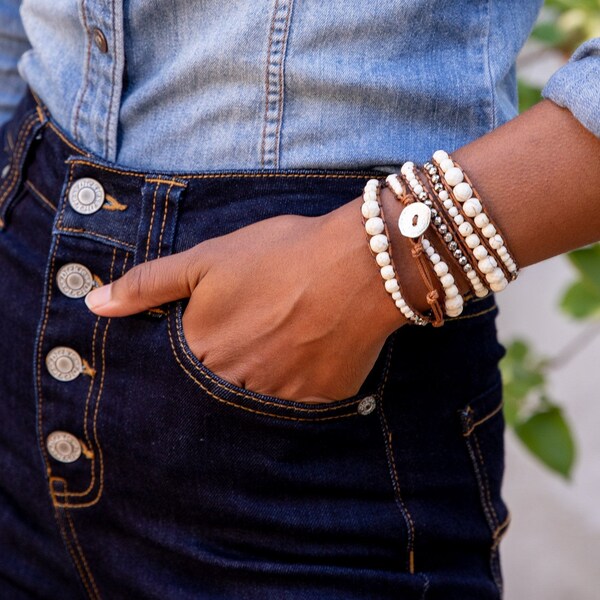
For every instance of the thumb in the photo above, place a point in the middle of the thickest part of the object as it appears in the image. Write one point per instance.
(148, 285)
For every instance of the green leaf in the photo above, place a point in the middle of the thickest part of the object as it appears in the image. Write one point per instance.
(549, 33)
(587, 262)
(548, 437)
(528, 96)
(581, 300)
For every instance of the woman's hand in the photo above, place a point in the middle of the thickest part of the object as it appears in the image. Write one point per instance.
(291, 306)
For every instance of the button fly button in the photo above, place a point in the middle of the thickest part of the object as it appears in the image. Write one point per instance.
(74, 280)
(86, 196)
(64, 363)
(100, 40)
(63, 446)
(367, 405)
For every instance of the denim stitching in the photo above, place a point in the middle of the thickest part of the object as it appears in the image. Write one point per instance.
(164, 220)
(182, 346)
(112, 79)
(478, 314)
(234, 174)
(65, 140)
(74, 558)
(485, 479)
(82, 555)
(484, 419)
(39, 195)
(166, 181)
(112, 203)
(151, 221)
(86, 73)
(250, 410)
(93, 234)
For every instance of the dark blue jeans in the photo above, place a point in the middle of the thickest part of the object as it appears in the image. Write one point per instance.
(185, 486)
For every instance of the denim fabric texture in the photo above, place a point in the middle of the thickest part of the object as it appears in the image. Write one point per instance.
(278, 84)
(191, 487)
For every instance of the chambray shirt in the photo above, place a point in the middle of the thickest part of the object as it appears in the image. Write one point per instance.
(277, 84)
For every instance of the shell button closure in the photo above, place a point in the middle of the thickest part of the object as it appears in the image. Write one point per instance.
(63, 446)
(367, 405)
(86, 196)
(74, 280)
(64, 363)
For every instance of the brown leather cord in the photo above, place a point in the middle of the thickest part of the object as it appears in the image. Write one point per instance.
(418, 253)
(389, 251)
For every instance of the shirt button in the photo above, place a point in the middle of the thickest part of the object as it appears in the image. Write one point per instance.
(86, 196)
(74, 280)
(100, 40)
(63, 447)
(64, 363)
(367, 405)
(5, 171)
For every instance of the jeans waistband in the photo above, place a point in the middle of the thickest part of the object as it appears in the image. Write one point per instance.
(141, 210)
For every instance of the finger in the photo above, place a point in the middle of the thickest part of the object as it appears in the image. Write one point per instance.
(149, 285)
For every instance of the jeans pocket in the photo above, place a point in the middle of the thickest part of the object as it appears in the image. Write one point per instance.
(483, 427)
(224, 391)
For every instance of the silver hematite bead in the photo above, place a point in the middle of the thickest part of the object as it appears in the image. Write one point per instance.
(467, 268)
(435, 178)
(438, 187)
(432, 171)
(437, 221)
(434, 212)
(462, 261)
(443, 229)
(458, 254)
(429, 203)
(427, 165)
(452, 246)
(422, 196)
(448, 237)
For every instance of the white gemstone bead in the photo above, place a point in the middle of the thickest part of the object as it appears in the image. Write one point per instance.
(447, 280)
(455, 312)
(387, 272)
(486, 265)
(374, 225)
(459, 219)
(465, 229)
(425, 243)
(454, 303)
(448, 204)
(383, 259)
(369, 195)
(494, 243)
(400, 303)
(454, 176)
(440, 155)
(482, 293)
(430, 251)
(396, 296)
(413, 182)
(481, 220)
(391, 286)
(369, 209)
(446, 164)
(472, 275)
(513, 268)
(498, 239)
(453, 211)
(495, 276)
(498, 287)
(502, 251)
(463, 191)
(472, 241)
(372, 184)
(451, 291)
(406, 168)
(480, 252)
(489, 231)
(440, 269)
(379, 243)
(435, 258)
(418, 189)
(443, 195)
(472, 207)
(395, 184)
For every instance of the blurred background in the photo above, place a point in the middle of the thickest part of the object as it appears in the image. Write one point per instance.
(552, 379)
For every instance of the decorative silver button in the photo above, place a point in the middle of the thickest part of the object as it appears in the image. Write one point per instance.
(5, 171)
(414, 220)
(86, 196)
(64, 363)
(367, 405)
(63, 447)
(74, 280)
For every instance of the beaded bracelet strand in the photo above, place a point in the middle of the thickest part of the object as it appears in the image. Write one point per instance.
(449, 222)
(413, 232)
(379, 243)
(453, 302)
(463, 191)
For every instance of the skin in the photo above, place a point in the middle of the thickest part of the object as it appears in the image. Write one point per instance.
(538, 176)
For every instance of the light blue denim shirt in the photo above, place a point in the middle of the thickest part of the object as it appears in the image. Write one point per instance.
(268, 84)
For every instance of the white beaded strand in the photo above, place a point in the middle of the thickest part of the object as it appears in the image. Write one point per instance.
(380, 244)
